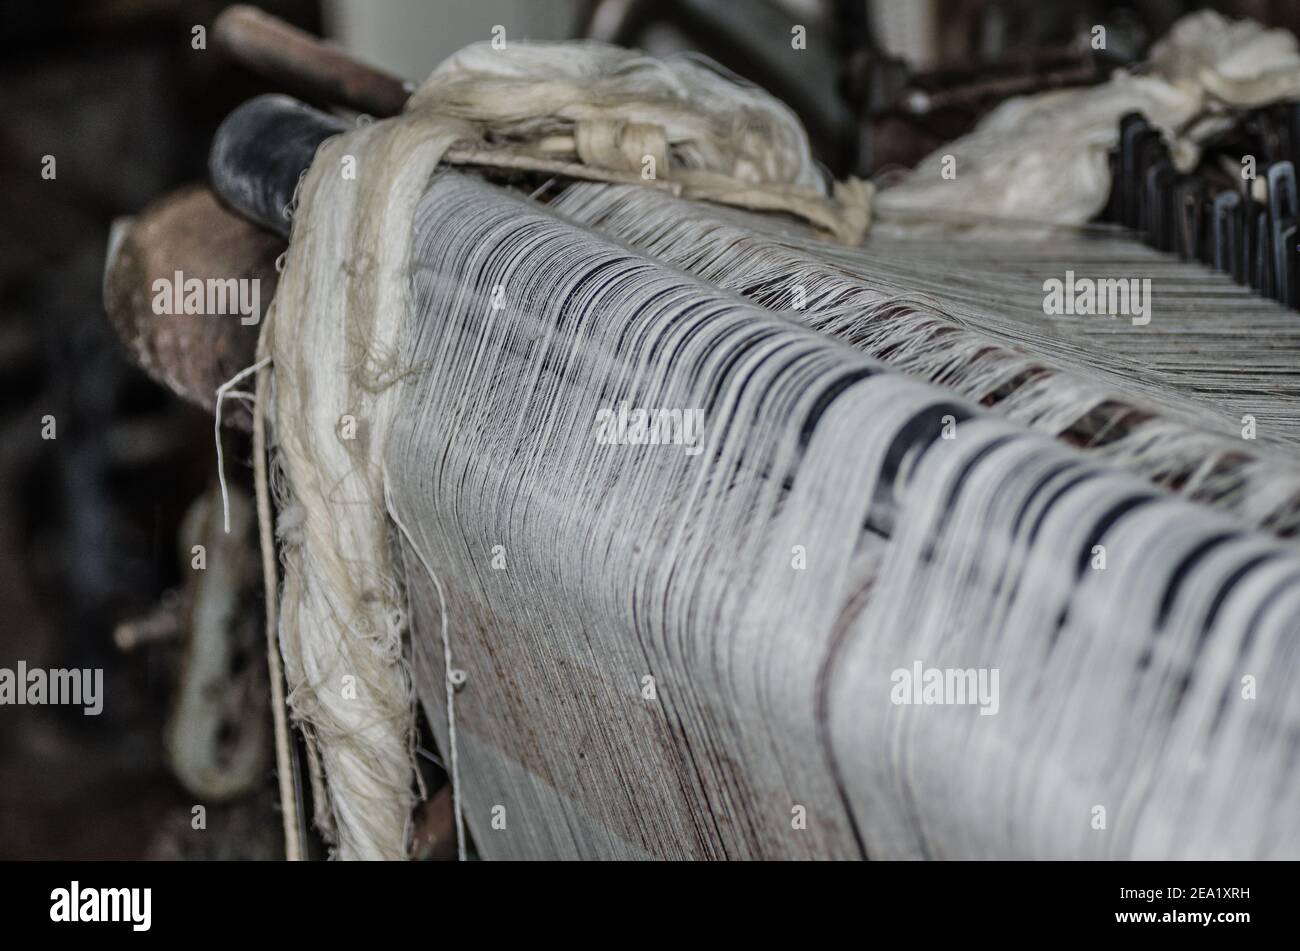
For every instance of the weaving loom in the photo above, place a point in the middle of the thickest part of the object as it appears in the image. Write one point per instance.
(943, 572)
(795, 689)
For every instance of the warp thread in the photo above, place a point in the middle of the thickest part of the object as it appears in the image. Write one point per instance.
(377, 292)
(344, 309)
(1144, 398)
(1121, 683)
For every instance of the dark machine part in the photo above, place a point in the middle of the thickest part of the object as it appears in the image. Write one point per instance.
(1222, 213)
(260, 152)
(91, 504)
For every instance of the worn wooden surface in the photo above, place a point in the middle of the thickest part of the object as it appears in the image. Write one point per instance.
(191, 232)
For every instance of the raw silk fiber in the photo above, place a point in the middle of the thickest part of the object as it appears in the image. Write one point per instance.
(341, 309)
(827, 536)
(1165, 399)
(343, 313)
(701, 646)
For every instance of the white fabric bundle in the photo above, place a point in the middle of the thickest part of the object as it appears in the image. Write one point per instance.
(564, 98)
(590, 110)
(1043, 158)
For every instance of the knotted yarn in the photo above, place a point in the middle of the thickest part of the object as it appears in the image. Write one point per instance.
(597, 111)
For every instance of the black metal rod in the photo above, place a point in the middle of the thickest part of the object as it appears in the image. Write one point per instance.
(260, 152)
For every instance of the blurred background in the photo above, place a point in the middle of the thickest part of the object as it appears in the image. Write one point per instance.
(96, 525)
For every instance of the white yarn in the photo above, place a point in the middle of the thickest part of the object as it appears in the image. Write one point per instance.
(969, 316)
(1121, 687)
(474, 338)
(341, 304)
(587, 93)
(449, 681)
(342, 312)
(224, 390)
(588, 109)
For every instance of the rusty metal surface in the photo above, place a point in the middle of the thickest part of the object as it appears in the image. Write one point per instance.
(189, 231)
